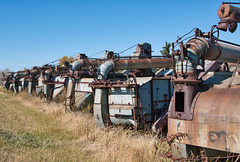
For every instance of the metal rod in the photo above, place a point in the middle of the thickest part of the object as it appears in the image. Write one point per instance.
(230, 3)
(228, 42)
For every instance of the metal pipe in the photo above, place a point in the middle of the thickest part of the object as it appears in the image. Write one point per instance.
(142, 63)
(230, 16)
(83, 63)
(106, 67)
(204, 49)
(186, 68)
(79, 63)
(225, 10)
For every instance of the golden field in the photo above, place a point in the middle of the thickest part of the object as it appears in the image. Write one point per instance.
(32, 130)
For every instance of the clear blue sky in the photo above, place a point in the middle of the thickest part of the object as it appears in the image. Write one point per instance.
(35, 32)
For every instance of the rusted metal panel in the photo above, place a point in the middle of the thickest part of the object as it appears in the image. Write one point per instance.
(215, 123)
(161, 122)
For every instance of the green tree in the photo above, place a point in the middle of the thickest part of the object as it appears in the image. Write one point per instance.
(166, 49)
(65, 58)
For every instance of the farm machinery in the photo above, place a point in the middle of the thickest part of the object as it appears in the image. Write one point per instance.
(132, 90)
(129, 92)
(21, 80)
(203, 112)
(195, 93)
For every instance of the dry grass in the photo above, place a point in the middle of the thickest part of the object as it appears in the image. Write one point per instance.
(35, 130)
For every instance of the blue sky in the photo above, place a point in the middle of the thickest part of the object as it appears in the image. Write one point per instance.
(35, 32)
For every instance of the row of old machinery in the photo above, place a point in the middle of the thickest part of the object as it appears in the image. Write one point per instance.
(132, 90)
(194, 94)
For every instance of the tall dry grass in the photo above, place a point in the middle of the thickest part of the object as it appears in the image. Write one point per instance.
(113, 144)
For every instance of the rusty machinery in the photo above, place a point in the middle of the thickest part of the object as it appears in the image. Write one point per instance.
(203, 112)
(51, 81)
(29, 79)
(127, 92)
(81, 73)
(7, 80)
(32, 79)
(16, 81)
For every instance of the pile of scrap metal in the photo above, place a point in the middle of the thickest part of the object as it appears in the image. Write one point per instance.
(129, 92)
(203, 112)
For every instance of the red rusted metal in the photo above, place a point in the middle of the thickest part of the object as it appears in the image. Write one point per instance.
(109, 84)
(142, 63)
(225, 10)
(230, 16)
(215, 121)
(160, 123)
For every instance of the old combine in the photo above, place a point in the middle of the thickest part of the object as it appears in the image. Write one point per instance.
(129, 92)
(203, 112)
(81, 72)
